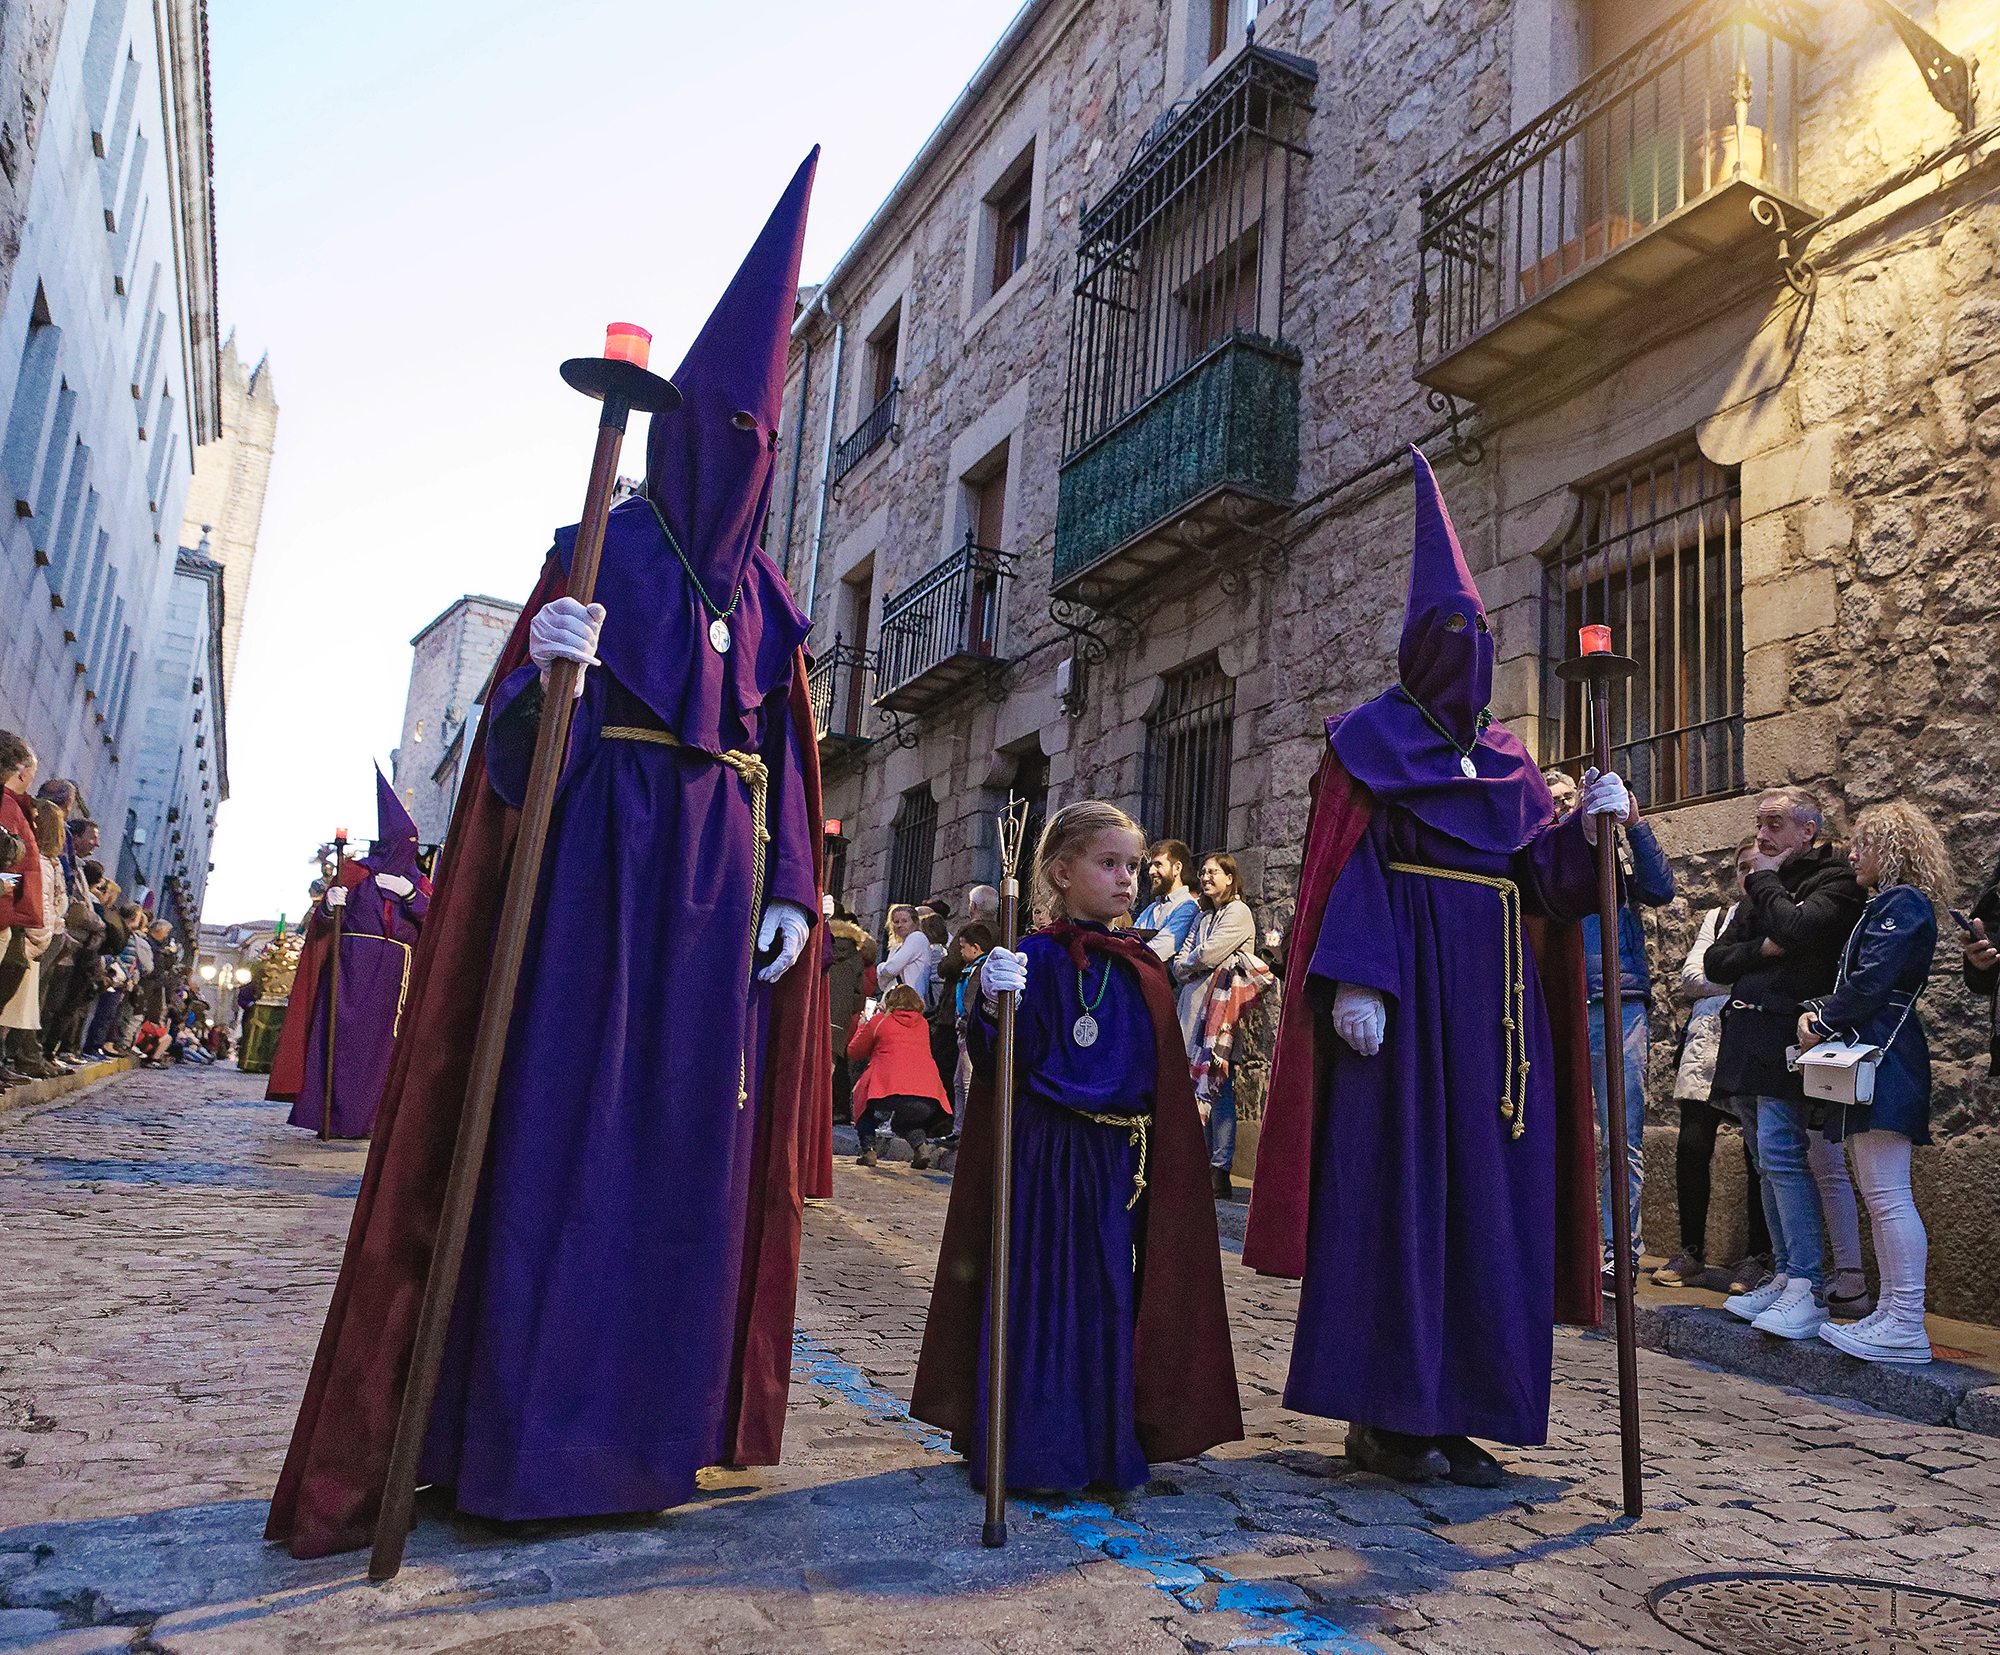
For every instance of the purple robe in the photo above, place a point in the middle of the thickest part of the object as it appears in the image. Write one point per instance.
(1428, 1304)
(1429, 1297)
(378, 938)
(588, 1367)
(1071, 1295)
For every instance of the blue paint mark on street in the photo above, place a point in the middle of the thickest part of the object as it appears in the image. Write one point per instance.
(816, 1365)
(1173, 1568)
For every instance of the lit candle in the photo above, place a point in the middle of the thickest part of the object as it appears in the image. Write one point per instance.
(628, 342)
(340, 836)
(1595, 640)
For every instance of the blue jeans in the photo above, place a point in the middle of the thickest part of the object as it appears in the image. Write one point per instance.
(1791, 1198)
(1638, 1035)
(1220, 1129)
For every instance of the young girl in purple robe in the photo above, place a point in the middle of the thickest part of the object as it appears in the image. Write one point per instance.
(1118, 1334)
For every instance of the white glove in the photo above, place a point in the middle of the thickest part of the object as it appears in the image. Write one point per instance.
(788, 925)
(337, 897)
(1001, 971)
(1360, 1017)
(394, 883)
(564, 630)
(1603, 795)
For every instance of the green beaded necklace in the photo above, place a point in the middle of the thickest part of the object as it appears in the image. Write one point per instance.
(1084, 1030)
(718, 628)
(1464, 753)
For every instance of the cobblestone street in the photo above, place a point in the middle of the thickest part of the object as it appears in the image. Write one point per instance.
(170, 1246)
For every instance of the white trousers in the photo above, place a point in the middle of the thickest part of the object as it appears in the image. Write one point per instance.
(1902, 1250)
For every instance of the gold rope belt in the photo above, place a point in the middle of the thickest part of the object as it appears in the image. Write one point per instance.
(403, 992)
(1137, 1125)
(1513, 992)
(757, 775)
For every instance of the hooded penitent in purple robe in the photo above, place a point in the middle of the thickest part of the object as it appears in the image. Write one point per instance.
(595, 1340)
(1426, 1191)
(378, 938)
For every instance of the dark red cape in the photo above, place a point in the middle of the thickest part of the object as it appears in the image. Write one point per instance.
(288, 1063)
(1274, 1241)
(331, 1486)
(1184, 1371)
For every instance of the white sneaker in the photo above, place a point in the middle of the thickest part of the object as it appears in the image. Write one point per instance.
(1882, 1338)
(1796, 1315)
(1753, 1304)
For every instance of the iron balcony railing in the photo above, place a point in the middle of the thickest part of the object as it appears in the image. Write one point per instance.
(1708, 99)
(1188, 250)
(950, 615)
(880, 422)
(836, 684)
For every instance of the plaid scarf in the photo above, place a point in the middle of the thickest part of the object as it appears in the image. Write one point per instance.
(1230, 991)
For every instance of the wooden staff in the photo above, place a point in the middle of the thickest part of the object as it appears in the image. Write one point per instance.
(620, 381)
(333, 983)
(1000, 1253)
(1598, 668)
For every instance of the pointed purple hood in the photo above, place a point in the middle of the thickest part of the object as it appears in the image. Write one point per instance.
(1409, 745)
(395, 847)
(709, 466)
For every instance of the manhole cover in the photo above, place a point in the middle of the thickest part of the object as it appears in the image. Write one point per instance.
(1771, 1614)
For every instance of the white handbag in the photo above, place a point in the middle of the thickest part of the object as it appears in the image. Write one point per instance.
(1838, 1071)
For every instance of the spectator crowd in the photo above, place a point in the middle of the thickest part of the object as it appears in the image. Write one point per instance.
(901, 1062)
(1816, 967)
(85, 974)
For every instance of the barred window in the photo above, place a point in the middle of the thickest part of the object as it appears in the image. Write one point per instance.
(1656, 555)
(914, 848)
(1187, 758)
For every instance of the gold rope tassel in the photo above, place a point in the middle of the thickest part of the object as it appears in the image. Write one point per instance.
(1513, 992)
(1138, 1126)
(757, 776)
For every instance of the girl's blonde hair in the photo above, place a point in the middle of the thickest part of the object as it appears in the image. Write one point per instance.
(1064, 836)
(1908, 850)
(902, 998)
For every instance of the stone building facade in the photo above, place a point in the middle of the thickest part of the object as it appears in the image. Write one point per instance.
(181, 744)
(108, 385)
(225, 503)
(1695, 310)
(454, 657)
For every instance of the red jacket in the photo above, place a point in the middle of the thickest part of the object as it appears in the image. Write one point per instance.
(24, 908)
(897, 1048)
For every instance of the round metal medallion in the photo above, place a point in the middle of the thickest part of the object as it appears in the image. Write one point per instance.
(1465, 763)
(1775, 1614)
(1084, 1030)
(718, 635)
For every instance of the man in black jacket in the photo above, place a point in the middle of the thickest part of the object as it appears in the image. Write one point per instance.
(1800, 903)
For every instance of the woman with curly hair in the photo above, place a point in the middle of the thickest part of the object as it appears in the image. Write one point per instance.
(1901, 861)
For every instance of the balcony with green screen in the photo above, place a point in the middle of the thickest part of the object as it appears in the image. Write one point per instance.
(1181, 419)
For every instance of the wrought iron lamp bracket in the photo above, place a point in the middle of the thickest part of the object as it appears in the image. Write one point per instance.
(1947, 76)
(903, 735)
(1466, 448)
(1094, 634)
(1797, 268)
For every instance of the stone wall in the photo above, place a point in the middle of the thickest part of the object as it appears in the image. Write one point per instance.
(1860, 407)
(452, 659)
(225, 505)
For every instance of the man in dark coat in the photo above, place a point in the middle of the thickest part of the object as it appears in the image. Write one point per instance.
(1427, 1160)
(1800, 903)
(625, 1314)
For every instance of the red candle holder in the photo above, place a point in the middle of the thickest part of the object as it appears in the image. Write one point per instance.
(628, 342)
(1594, 640)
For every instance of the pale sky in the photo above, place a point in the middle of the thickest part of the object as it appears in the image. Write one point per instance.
(422, 209)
